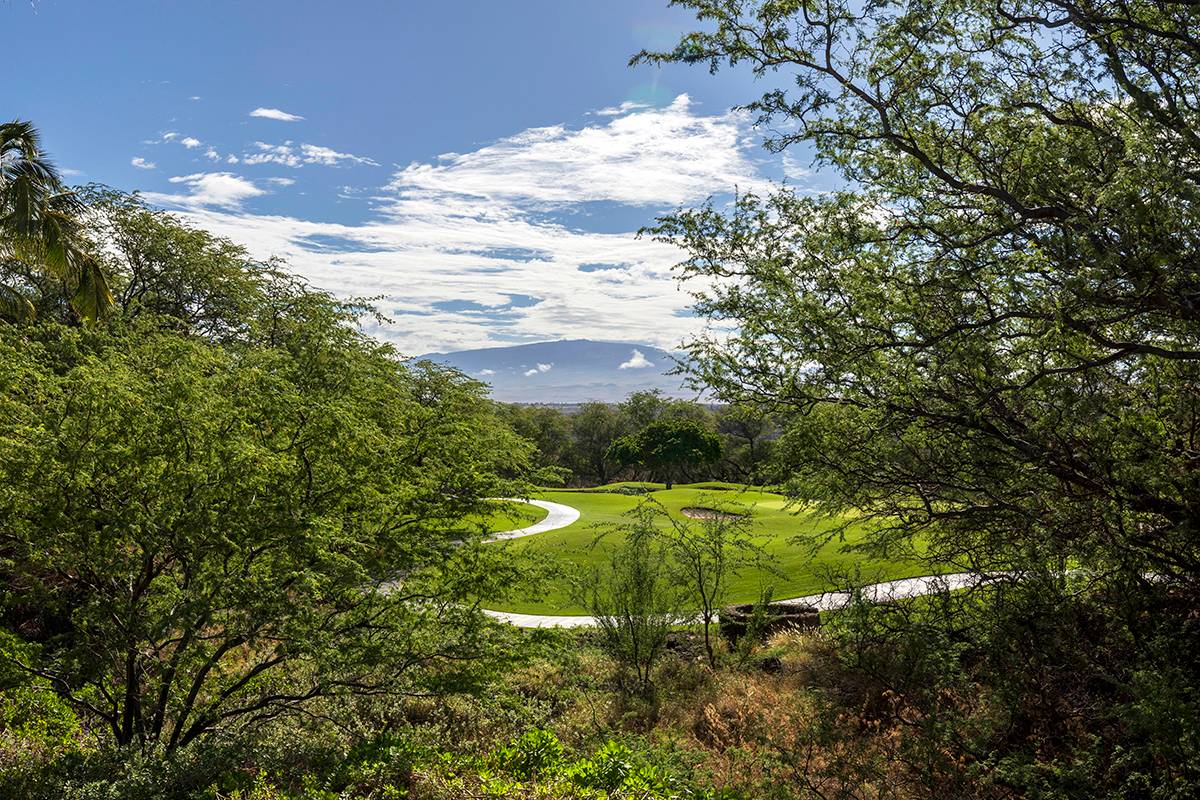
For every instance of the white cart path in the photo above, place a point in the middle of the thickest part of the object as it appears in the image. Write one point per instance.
(558, 516)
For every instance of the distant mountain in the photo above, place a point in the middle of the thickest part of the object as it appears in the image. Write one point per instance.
(566, 372)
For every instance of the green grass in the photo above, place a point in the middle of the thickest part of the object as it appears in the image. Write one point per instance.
(801, 570)
(508, 516)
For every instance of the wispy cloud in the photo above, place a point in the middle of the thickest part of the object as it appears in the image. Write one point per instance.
(289, 154)
(276, 114)
(281, 181)
(142, 163)
(315, 154)
(794, 169)
(504, 221)
(636, 361)
(540, 368)
(624, 108)
(486, 372)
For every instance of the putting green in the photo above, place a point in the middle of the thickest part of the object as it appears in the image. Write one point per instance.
(798, 570)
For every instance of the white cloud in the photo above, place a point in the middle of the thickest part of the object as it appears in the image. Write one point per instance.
(636, 361)
(498, 223)
(624, 108)
(275, 113)
(314, 154)
(195, 97)
(290, 154)
(281, 181)
(486, 372)
(222, 189)
(436, 254)
(189, 142)
(666, 156)
(282, 154)
(212, 155)
(169, 136)
(538, 369)
(794, 169)
(142, 163)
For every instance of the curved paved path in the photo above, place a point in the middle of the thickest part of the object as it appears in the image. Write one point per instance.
(560, 516)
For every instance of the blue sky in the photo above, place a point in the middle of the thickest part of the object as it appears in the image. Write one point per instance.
(481, 165)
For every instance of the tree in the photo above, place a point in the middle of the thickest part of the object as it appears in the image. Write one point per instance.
(40, 228)
(201, 533)
(667, 447)
(706, 553)
(548, 428)
(634, 600)
(593, 429)
(639, 409)
(158, 266)
(988, 343)
(747, 429)
(897, 303)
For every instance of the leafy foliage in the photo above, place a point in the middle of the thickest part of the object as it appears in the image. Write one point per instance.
(988, 340)
(613, 771)
(41, 232)
(666, 446)
(634, 600)
(228, 503)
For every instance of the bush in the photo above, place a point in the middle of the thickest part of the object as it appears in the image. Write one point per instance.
(537, 752)
(635, 602)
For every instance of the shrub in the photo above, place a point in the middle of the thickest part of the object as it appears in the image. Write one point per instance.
(635, 602)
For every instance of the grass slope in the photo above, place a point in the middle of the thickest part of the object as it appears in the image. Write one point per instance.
(573, 552)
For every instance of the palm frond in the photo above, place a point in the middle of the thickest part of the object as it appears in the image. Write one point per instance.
(15, 306)
(93, 300)
(40, 222)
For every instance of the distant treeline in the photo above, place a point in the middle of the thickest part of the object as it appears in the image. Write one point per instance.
(575, 439)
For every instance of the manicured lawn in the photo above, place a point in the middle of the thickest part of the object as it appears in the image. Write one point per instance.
(509, 516)
(574, 551)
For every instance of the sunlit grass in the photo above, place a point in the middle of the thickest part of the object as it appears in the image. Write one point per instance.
(507, 516)
(796, 568)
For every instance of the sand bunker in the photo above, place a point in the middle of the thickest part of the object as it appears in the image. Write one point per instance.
(699, 512)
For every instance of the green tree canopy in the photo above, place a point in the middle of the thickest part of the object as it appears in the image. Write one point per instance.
(988, 338)
(228, 502)
(666, 447)
(593, 429)
(1005, 311)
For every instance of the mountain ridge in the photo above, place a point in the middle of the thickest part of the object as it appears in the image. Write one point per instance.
(566, 370)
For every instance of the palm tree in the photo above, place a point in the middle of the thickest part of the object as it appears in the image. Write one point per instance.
(40, 226)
